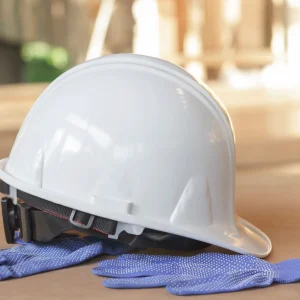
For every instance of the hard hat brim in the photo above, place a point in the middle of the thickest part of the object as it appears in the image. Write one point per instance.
(241, 237)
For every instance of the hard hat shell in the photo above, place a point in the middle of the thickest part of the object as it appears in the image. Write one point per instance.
(137, 140)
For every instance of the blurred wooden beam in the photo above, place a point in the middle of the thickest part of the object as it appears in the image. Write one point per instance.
(268, 22)
(168, 27)
(181, 6)
(120, 32)
(215, 58)
(213, 33)
(255, 26)
(101, 25)
(11, 65)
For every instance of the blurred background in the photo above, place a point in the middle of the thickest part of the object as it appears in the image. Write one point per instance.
(247, 51)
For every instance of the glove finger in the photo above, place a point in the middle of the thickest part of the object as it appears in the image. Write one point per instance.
(149, 258)
(221, 283)
(212, 260)
(132, 268)
(143, 282)
(113, 272)
(133, 271)
(162, 267)
(288, 271)
(142, 260)
(60, 247)
(3, 259)
(34, 264)
(9, 257)
(66, 248)
(200, 258)
(5, 272)
(125, 263)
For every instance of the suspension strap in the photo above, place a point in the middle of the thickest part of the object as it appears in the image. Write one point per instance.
(78, 218)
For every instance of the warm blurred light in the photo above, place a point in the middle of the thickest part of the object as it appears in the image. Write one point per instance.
(192, 45)
(146, 39)
(196, 69)
(294, 44)
(277, 44)
(284, 74)
(279, 75)
(293, 3)
(239, 79)
(232, 11)
(100, 29)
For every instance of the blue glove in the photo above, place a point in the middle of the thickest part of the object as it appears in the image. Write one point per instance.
(33, 258)
(205, 273)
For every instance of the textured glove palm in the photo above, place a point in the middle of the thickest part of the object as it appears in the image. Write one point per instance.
(33, 258)
(205, 273)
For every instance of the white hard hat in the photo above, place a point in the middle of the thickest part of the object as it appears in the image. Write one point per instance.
(138, 141)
